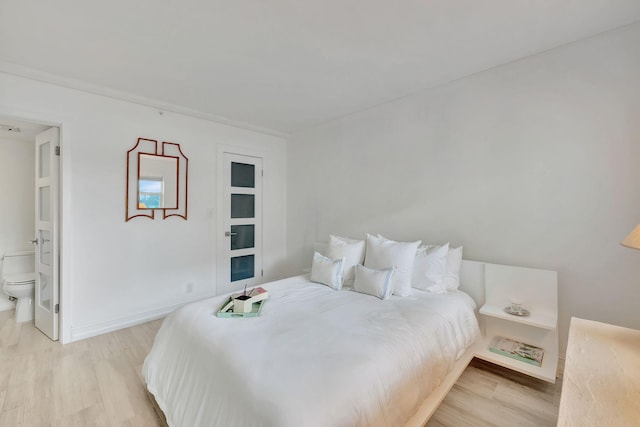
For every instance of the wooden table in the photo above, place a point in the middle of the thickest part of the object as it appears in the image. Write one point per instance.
(601, 383)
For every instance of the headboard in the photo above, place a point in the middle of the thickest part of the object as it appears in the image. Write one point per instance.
(472, 280)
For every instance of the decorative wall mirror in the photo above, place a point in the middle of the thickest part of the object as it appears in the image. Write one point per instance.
(157, 179)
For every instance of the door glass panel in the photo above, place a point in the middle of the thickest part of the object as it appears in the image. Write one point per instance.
(43, 194)
(243, 175)
(45, 247)
(244, 236)
(45, 153)
(242, 205)
(45, 292)
(242, 267)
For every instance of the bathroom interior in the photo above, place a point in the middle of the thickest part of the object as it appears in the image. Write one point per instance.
(17, 223)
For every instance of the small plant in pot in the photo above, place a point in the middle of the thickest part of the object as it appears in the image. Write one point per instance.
(240, 303)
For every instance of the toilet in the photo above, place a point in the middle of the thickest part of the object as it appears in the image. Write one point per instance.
(18, 281)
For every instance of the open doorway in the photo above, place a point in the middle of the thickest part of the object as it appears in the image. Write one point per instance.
(29, 222)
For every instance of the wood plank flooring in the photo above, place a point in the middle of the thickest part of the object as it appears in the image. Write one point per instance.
(487, 395)
(94, 382)
(97, 382)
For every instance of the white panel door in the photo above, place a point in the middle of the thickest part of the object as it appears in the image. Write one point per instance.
(46, 225)
(241, 255)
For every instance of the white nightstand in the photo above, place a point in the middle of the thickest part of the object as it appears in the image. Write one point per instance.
(538, 291)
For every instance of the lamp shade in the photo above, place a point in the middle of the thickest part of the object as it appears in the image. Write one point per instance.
(633, 239)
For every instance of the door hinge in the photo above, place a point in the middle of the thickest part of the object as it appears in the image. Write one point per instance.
(57, 150)
(262, 172)
(57, 309)
(262, 273)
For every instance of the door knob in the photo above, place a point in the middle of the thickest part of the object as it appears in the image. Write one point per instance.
(34, 241)
(229, 233)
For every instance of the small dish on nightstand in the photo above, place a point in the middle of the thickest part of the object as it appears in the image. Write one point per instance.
(521, 313)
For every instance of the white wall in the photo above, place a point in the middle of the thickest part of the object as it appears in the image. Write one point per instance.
(534, 163)
(17, 160)
(17, 200)
(116, 272)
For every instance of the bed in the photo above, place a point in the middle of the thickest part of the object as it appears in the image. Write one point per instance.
(314, 357)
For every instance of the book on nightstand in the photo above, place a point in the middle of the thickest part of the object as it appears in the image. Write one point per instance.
(516, 350)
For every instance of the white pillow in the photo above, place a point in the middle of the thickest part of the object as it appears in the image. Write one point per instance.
(430, 267)
(378, 283)
(382, 253)
(351, 250)
(452, 271)
(327, 271)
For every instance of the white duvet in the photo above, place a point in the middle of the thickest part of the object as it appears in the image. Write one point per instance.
(314, 357)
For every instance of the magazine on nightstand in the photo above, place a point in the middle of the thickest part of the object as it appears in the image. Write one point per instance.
(516, 350)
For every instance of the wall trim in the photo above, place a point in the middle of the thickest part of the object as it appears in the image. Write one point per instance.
(98, 328)
(42, 76)
(6, 305)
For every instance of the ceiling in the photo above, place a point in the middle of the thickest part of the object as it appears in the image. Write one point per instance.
(284, 65)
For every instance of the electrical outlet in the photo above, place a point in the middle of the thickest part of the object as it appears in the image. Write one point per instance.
(189, 287)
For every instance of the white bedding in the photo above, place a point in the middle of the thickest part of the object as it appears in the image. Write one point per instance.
(315, 357)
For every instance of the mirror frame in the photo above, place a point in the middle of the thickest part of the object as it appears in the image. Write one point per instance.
(167, 149)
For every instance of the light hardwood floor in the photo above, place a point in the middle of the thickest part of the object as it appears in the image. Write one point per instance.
(487, 395)
(97, 382)
(94, 382)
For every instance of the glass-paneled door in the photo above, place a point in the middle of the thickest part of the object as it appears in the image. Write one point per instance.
(46, 225)
(242, 223)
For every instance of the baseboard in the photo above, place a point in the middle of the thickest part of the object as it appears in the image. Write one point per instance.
(5, 304)
(99, 328)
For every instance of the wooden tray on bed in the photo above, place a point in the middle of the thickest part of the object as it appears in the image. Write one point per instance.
(255, 310)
